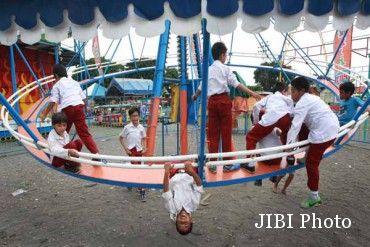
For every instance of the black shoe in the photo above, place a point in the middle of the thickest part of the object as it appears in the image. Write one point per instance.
(290, 160)
(71, 168)
(247, 168)
(142, 195)
(258, 182)
(273, 179)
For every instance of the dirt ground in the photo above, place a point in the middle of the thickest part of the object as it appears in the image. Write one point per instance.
(59, 210)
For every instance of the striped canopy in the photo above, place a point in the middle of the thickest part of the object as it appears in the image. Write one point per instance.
(28, 19)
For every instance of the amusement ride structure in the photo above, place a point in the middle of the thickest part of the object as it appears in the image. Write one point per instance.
(192, 21)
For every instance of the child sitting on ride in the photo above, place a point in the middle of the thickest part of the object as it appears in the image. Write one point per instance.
(278, 111)
(220, 105)
(348, 104)
(322, 125)
(59, 145)
(133, 140)
(181, 192)
(273, 140)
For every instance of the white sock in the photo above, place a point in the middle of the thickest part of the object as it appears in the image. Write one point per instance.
(314, 195)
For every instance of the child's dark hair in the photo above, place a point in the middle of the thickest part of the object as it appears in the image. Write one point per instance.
(347, 87)
(58, 118)
(187, 230)
(218, 49)
(280, 87)
(60, 70)
(133, 110)
(301, 83)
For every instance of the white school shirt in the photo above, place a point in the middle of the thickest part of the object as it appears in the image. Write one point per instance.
(317, 115)
(56, 144)
(67, 92)
(271, 140)
(277, 105)
(133, 136)
(219, 77)
(183, 193)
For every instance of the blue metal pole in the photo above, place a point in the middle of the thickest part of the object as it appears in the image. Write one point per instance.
(17, 118)
(78, 53)
(197, 51)
(80, 62)
(132, 51)
(56, 53)
(183, 97)
(210, 56)
(157, 87)
(206, 50)
(30, 69)
(183, 64)
(282, 49)
(336, 53)
(14, 78)
(82, 59)
(295, 45)
(276, 61)
(231, 48)
(162, 61)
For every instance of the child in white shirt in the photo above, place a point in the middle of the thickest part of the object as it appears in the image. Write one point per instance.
(323, 126)
(278, 111)
(60, 146)
(182, 193)
(220, 105)
(133, 139)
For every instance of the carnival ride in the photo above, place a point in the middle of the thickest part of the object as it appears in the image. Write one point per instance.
(118, 170)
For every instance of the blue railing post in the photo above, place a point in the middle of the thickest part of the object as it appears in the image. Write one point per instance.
(206, 50)
(30, 69)
(56, 53)
(14, 78)
(197, 51)
(17, 118)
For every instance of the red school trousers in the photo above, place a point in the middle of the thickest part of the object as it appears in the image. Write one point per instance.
(259, 131)
(314, 156)
(75, 115)
(220, 123)
(58, 162)
(135, 153)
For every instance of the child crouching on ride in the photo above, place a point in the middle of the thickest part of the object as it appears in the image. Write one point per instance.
(132, 139)
(323, 127)
(60, 146)
(181, 192)
(278, 111)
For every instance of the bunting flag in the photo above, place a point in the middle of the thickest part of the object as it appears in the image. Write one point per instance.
(96, 52)
(343, 58)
